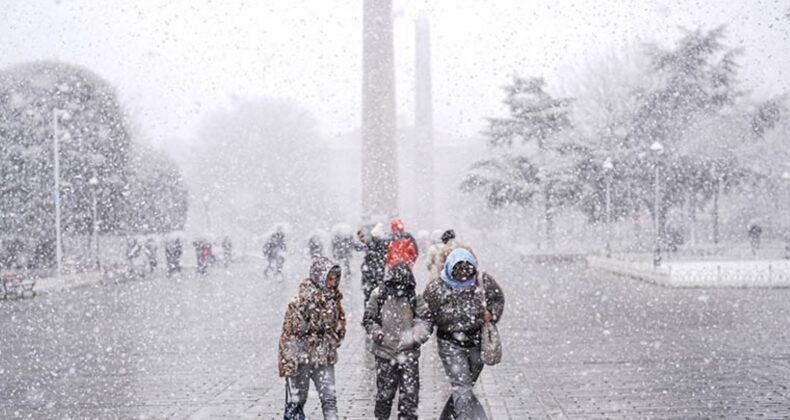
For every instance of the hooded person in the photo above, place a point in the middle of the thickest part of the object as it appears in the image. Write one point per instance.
(402, 246)
(456, 308)
(313, 329)
(393, 321)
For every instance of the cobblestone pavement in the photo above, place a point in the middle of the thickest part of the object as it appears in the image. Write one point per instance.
(578, 345)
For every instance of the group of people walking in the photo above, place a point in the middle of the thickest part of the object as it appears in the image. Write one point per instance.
(459, 302)
(173, 252)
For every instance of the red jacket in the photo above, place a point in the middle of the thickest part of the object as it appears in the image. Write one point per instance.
(402, 248)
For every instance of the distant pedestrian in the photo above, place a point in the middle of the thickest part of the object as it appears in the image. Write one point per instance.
(173, 252)
(313, 329)
(150, 253)
(315, 246)
(393, 322)
(204, 255)
(227, 251)
(755, 231)
(133, 250)
(460, 300)
(274, 251)
(401, 247)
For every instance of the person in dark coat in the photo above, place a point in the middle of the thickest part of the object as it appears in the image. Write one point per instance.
(173, 251)
(274, 251)
(205, 255)
(457, 309)
(374, 263)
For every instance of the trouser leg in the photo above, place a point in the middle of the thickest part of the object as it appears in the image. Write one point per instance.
(299, 385)
(386, 387)
(324, 379)
(462, 367)
(409, 394)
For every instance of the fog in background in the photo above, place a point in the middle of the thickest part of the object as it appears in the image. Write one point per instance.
(197, 78)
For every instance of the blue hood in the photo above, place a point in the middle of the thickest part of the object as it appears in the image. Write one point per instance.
(458, 255)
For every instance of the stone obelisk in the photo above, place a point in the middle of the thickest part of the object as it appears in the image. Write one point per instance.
(379, 154)
(423, 125)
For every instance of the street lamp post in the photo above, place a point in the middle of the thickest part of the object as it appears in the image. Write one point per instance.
(57, 113)
(786, 179)
(657, 149)
(94, 185)
(607, 168)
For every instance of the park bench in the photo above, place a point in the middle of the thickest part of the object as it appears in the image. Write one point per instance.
(17, 285)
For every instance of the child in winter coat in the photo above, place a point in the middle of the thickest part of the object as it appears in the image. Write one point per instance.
(392, 320)
(313, 329)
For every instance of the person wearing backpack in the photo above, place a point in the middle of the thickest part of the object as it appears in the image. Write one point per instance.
(313, 329)
(460, 301)
(402, 246)
(393, 321)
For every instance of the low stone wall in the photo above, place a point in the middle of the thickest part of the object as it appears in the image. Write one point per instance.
(637, 270)
(758, 273)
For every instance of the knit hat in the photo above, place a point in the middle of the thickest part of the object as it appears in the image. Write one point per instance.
(377, 231)
(397, 225)
(448, 235)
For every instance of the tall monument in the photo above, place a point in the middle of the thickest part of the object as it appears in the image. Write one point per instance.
(423, 125)
(379, 154)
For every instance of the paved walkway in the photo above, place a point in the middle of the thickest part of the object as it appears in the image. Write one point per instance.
(578, 345)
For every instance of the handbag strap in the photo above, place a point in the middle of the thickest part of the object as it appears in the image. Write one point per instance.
(482, 287)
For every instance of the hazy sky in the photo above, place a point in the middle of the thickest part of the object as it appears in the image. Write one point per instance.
(174, 61)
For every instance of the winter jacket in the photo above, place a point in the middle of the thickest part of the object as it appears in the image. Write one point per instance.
(431, 259)
(453, 310)
(314, 324)
(402, 248)
(393, 316)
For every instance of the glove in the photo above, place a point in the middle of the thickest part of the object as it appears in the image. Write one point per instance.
(407, 341)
